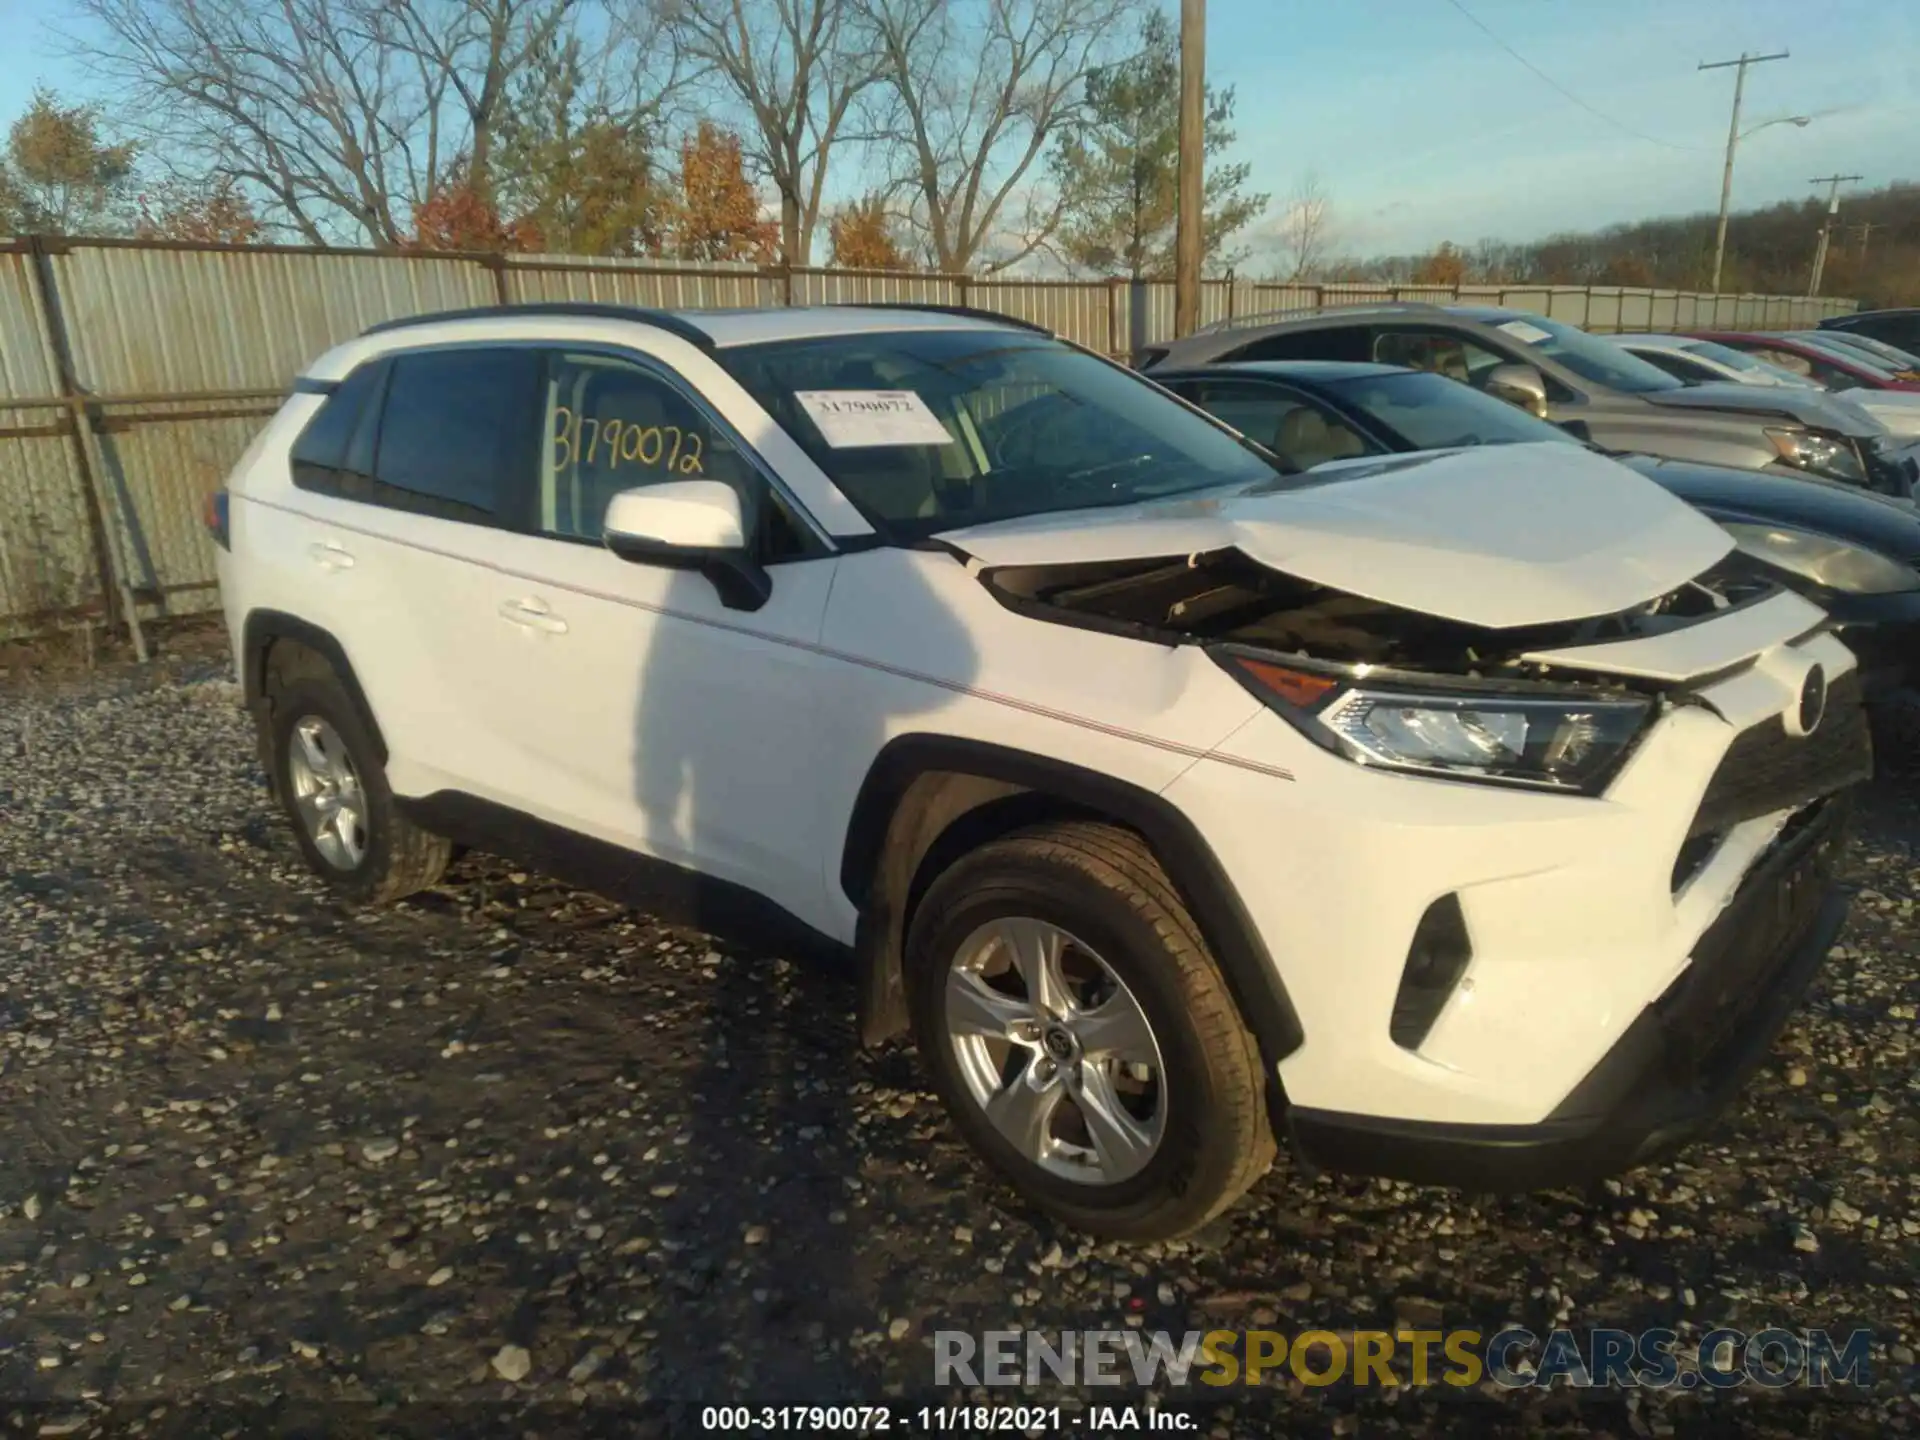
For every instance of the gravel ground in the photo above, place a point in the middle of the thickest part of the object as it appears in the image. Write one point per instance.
(513, 1149)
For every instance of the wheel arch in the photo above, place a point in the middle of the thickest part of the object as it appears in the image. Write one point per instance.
(266, 629)
(927, 799)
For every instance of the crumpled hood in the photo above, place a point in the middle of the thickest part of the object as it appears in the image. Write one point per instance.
(1809, 407)
(1497, 536)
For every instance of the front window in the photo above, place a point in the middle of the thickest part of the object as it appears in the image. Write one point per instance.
(1434, 413)
(1588, 356)
(927, 431)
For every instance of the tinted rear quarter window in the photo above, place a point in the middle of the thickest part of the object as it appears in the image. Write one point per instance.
(458, 432)
(1340, 343)
(324, 452)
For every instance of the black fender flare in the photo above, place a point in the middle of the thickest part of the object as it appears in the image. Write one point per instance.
(262, 628)
(897, 820)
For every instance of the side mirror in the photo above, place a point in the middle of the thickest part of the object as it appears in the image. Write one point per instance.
(1520, 385)
(693, 524)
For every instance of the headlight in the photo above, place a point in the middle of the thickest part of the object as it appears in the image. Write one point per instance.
(1569, 741)
(1822, 454)
(1825, 561)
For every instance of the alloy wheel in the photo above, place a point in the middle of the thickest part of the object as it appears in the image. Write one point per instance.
(327, 793)
(1056, 1051)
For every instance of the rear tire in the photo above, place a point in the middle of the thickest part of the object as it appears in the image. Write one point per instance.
(1130, 1133)
(334, 790)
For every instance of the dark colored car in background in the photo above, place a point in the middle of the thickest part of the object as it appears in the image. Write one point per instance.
(1834, 364)
(1897, 327)
(1561, 373)
(1855, 554)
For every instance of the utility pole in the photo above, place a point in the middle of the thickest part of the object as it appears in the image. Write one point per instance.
(1866, 234)
(1733, 140)
(1832, 182)
(1190, 224)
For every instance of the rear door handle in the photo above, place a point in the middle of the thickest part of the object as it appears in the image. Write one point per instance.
(532, 614)
(329, 556)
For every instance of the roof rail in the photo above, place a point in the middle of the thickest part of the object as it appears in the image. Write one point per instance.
(970, 312)
(584, 309)
(1273, 317)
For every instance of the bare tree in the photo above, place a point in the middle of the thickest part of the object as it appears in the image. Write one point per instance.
(796, 67)
(972, 92)
(468, 52)
(336, 116)
(1303, 228)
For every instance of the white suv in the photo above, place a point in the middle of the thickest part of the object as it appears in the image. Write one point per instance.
(1466, 817)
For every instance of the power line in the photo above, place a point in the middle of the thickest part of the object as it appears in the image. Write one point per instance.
(1621, 125)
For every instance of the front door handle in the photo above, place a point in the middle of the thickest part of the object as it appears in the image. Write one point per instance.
(329, 556)
(532, 614)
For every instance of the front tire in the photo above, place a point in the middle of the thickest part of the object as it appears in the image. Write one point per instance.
(1081, 1036)
(334, 791)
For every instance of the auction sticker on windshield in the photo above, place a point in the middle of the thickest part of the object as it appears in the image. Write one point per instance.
(855, 419)
(1521, 330)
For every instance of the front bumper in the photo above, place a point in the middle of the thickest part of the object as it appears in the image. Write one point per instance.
(1578, 913)
(1668, 1076)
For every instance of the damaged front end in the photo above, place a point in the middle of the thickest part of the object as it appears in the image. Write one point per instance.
(1224, 597)
(1392, 687)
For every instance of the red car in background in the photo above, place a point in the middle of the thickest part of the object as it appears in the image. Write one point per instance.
(1834, 366)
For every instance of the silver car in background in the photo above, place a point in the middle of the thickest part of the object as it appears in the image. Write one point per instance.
(1580, 381)
(1700, 362)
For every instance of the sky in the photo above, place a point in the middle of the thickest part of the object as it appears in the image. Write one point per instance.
(1421, 128)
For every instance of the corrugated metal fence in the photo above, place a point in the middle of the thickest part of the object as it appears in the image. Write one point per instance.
(132, 374)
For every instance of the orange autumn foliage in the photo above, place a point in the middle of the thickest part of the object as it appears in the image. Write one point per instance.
(863, 239)
(1445, 266)
(213, 217)
(716, 215)
(456, 217)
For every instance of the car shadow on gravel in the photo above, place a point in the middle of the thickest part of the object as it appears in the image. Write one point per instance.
(762, 1270)
(742, 748)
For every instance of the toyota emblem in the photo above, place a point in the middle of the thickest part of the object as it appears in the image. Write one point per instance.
(1813, 702)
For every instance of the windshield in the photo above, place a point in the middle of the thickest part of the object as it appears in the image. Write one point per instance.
(929, 430)
(1588, 356)
(1434, 413)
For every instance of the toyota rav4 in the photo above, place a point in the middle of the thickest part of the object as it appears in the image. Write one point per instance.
(1463, 817)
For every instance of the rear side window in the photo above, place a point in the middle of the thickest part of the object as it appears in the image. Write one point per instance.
(326, 455)
(1343, 343)
(1679, 366)
(457, 431)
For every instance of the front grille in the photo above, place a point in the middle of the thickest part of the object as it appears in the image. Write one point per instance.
(1766, 769)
